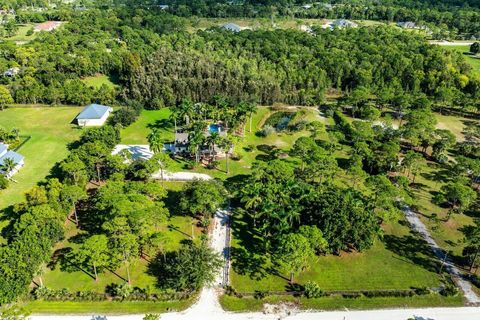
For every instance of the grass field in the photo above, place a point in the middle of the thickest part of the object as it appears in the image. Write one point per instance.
(399, 261)
(21, 34)
(50, 130)
(339, 303)
(472, 60)
(98, 80)
(105, 307)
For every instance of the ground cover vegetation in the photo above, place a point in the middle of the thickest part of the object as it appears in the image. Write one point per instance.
(333, 184)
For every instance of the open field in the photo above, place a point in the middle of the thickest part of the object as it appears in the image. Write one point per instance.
(98, 80)
(51, 130)
(399, 261)
(105, 307)
(21, 34)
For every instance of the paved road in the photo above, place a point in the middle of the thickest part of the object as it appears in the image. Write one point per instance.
(465, 313)
(464, 285)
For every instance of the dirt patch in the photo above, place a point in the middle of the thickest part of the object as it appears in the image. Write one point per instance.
(281, 310)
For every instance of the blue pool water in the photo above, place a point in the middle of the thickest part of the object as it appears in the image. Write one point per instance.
(214, 128)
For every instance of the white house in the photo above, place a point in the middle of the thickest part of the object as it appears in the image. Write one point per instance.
(17, 159)
(93, 115)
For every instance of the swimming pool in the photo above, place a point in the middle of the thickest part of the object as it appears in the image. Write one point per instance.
(214, 128)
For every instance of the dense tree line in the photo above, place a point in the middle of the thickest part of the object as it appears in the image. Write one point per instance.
(296, 68)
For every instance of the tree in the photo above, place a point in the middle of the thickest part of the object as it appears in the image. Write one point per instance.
(227, 145)
(164, 161)
(460, 196)
(472, 247)
(8, 165)
(94, 252)
(3, 182)
(5, 97)
(155, 140)
(413, 162)
(294, 253)
(188, 269)
(475, 48)
(201, 198)
(303, 148)
(73, 194)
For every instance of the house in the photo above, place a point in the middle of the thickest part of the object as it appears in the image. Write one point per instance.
(47, 26)
(12, 72)
(17, 159)
(163, 6)
(407, 25)
(137, 151)
(180, 144)
(339, 24)
(93, 115)
(232, 27)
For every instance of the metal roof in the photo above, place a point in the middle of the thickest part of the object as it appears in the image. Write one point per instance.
(232, 27)
(3, 148)
(93, 111)
(17, 158)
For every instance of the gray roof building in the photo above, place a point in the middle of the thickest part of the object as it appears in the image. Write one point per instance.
(16, 157)
(232, 27)
(93, 111)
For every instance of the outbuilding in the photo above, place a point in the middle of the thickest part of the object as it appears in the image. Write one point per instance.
(93, 115)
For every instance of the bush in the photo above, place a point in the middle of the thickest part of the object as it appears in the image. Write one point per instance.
(230, 291)
(260, 294)
(151, 316)
(3, 182)
(313, 290)
(449, 290)
(124, 116)
(267, 130)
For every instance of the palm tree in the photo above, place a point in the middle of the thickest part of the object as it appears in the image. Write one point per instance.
(186, 111)
(196, 138)
(250, 109)
(8, 165)
(213, 140)
(155, 141)
(226, 145)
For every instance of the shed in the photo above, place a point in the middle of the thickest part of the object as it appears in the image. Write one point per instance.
(93, 115)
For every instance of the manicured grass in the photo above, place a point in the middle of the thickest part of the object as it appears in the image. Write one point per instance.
(235, 304)
(105, 307)
(21, 34)
(474, 61)
(51, 130)
(137, 132)
(399, 261)
(98, 80)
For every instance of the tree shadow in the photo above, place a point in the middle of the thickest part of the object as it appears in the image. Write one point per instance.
(165, 124)
(248, 263)
(414, 249)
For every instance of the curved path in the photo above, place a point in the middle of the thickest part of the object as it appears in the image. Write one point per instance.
(470, 296)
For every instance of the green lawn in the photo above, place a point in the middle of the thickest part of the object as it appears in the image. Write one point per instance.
(399, 261)
(472, 60)
(105, 307)
(51, 130)
(137, 132)
(339, 303)
(21, 34)
(99, 80)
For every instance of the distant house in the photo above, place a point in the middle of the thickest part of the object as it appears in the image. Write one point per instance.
(17, 159)
(163, 6)
(47, 26)
(407, 25)
(339, 24)
(12, 72)
(93, 115)
(232, 27)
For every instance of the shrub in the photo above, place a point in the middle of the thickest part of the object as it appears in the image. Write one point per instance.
(260, 294)
(449, 290)
(267, 130)
(313, 290)
(230, 291)
(151, 316)
(3, 182)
